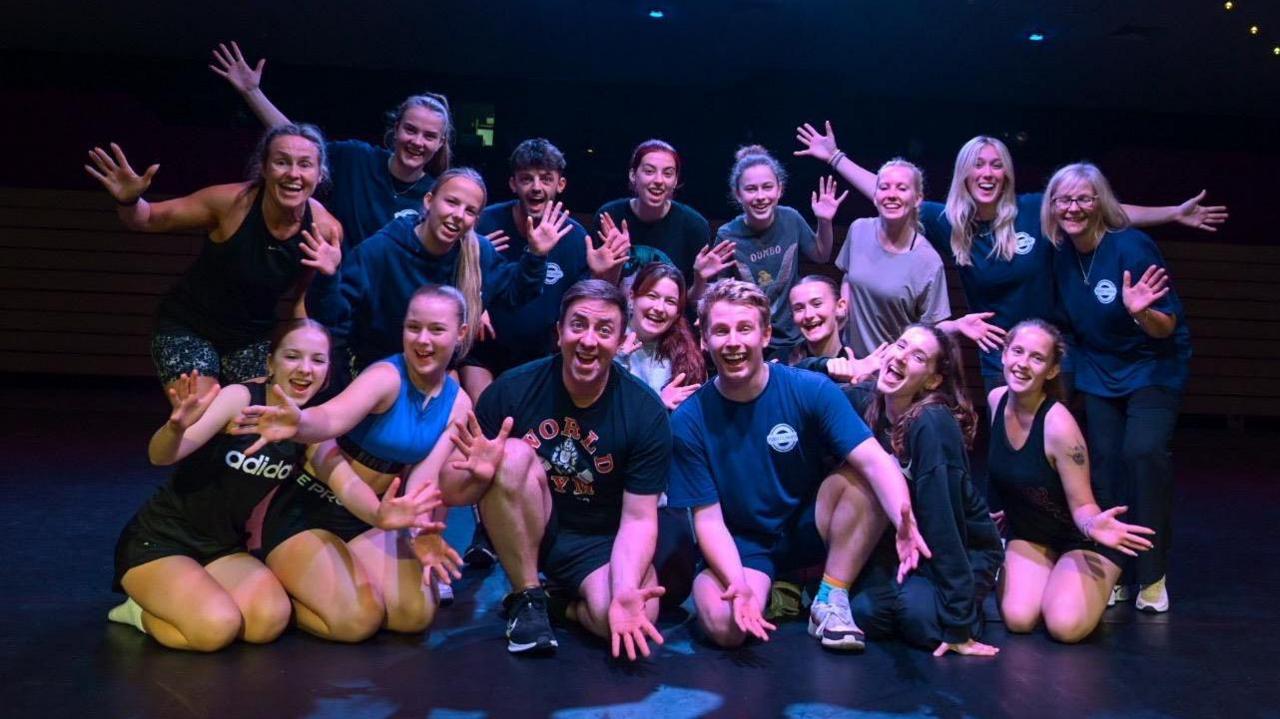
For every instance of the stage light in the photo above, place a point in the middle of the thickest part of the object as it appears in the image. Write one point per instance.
(1036, 37)
(1253, 29)
(657, 13)
(1228, 5)
(1275, 50)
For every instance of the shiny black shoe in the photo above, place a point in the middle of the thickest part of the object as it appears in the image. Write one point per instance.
(528, 627)
(480, 554)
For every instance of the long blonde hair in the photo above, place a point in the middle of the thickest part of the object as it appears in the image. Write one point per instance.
(1110, 215)
(962, 210)
(467, 277)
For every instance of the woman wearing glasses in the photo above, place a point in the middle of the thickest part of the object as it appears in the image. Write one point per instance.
(1132, 351)
(993, 234)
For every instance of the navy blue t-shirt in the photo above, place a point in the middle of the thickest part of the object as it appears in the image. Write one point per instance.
(364, 195)
(1014, 289)
(366, 301)
(762, 460)
(529, 325)
(1114, 356)
(592, 454)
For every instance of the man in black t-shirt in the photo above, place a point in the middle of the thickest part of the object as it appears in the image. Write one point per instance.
(570, 457)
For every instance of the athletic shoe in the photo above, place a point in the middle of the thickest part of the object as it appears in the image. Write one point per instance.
(784, 602)
(1119, 593)
(480, 554)
(831, 622)
(528, 627)
(1153, 597)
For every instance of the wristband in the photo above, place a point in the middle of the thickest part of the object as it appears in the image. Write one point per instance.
(836, 158)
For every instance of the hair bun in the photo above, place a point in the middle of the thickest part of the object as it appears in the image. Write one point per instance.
(749, 150)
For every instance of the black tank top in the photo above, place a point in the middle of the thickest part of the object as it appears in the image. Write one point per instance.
(214, 490)
(229, 295)
(1035, 502)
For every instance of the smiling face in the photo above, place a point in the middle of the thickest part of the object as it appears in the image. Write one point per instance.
(589, 337)
(431, 333)
(736, 336)
(300, 363)
(654, 310)
(896, 196)
(1029, 360)
(758, 192)
(536, 189)
(452, 209)
(986, 177)
(291, 171)
(418, 136)
(909, 366)
(817, 311)
(1076, 209)
(654, 180)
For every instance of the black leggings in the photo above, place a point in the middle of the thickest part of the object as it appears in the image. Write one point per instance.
(1129, 441)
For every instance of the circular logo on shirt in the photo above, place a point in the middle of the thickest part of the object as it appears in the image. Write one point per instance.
(1023, 243)
(554, 273)
(782, 438)
(1105, 291)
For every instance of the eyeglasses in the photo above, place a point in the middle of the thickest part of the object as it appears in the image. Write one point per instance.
(1086, 202)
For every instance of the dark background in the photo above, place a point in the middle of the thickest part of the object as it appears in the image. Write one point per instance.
(1167, 96)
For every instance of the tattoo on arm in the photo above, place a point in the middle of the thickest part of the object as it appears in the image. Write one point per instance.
(1078, 455)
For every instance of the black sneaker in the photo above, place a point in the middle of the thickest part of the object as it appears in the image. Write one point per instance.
(528, 628)
(480, 554)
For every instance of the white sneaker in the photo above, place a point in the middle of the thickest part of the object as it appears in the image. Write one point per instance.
(1119, 593)
(831, 622)
(1153, 597)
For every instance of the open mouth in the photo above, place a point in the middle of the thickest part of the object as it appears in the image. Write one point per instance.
(415, 151)
(656, 318)
(300, 386)
(586, 361)
(657, 192)
(733, 360)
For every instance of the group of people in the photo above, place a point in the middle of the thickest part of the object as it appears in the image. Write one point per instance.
(641, 411)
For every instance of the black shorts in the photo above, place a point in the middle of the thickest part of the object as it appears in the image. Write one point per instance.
(303, 504)
(176, 350)
(799, 546)
(139, 544)
(568, 556)
(1061, 547)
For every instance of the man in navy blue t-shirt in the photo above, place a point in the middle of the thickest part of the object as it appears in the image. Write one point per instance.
(755, 454)
(574, 491)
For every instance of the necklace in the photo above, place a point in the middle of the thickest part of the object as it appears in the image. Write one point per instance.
(1083, 272)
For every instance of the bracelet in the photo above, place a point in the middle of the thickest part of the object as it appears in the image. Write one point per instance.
(1137, 321)
(130, 203)
(836, 158)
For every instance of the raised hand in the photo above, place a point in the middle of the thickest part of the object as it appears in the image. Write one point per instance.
(499, 239)
(321, 253)
(970, 648)
(629, 625)
(1192, 214)
(825, 202)
(1105, 529)
(746, 610)
(1000, 521)
(630, 343)
(487, 332)
(480, 456)
(816, 145)
(909, 543)
(614, 249)
(115, 174)
(975, 326)
(272, 423)
(711, 261)
(437, 557)
(1139, 296)
(231, 65)
(411, 510)
(554, 225)
(188, 407)
(676, 392)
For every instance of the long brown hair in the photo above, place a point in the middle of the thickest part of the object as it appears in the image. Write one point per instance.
(677, 345)
(949, 393)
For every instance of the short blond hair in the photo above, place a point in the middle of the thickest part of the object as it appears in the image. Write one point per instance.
(734, 292)
(1110, 217)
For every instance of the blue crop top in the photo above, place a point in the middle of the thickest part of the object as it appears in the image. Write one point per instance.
(405, 434)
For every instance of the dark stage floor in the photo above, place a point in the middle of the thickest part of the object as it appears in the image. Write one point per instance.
(75, 469)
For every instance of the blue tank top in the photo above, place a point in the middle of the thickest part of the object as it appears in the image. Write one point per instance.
(406, 433)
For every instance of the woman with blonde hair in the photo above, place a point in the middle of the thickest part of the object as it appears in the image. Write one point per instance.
(1133, 348)
(993, 235)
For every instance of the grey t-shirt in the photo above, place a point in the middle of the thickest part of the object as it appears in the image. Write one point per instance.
(888, 291)
(771, 260)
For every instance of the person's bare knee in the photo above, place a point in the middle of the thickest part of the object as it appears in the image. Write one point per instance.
(213, 625)
(267, 616)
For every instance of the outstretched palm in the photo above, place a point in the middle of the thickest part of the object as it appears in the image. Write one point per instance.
(117, 176)
(1140, 295)
(189, 407)
(272, 423)
(481, 456)
(825, 202)
(230, 64)
(816, 145)
(1106, 529)
(629, 625)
